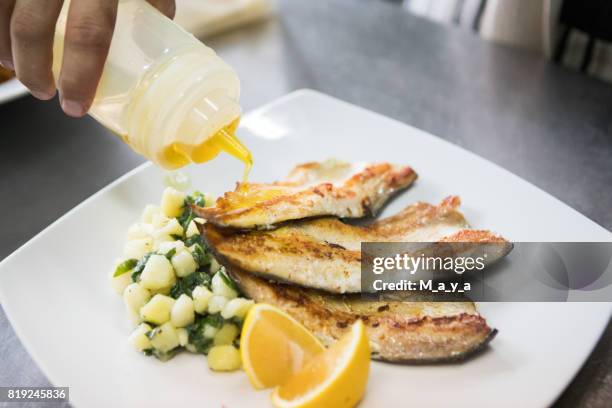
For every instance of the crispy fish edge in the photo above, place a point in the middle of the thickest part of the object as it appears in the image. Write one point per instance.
(393, 337)
(276, 254)
(267, 213)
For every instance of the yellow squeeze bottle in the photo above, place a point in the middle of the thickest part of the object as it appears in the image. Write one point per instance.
(167, 95)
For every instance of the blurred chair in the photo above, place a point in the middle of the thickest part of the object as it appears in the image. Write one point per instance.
(515, 23)
(592, 17)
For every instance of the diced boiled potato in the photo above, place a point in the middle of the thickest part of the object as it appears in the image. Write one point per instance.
(220, 287)
(139, 338)
(162, 291)
(165, 338)
(173, 227)
(192, 229)
(210, 331)
(157, 273)
(159, 240)
(216, 304)
(157, 310)
(149, 211)
(236, 308)
(183, 263)
(135, 296)
(214, 265)
(137, 248)
(182, 313)
(226, 335)
(159, 220)
(191, 348)
(224, 358)
(164, 247)
(183, 336)
(138, 231)
(134, 316)
(148, 228)
(172, 202)
(167, 246)
(165, 233)
(201, 296)
(119, 283)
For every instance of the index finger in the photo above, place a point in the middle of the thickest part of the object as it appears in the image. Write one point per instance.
(89, 31)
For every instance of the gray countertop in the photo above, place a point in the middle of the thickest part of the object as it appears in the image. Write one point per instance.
(549, 125)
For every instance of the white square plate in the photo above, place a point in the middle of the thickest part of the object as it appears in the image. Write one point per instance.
(56, 293)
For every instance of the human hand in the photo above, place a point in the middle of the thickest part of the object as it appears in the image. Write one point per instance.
(27, 28)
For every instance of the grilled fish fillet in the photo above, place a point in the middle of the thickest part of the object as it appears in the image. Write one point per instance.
(398, 331)
(325, 253)
(312, 189)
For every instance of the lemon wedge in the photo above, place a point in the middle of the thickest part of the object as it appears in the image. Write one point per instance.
(334, 378)
(274, 346)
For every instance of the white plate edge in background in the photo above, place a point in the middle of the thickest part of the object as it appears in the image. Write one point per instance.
(11, 89)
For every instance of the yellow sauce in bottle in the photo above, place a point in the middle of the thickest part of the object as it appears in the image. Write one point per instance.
(179, 154)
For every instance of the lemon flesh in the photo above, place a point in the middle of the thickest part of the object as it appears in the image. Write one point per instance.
(274, 346)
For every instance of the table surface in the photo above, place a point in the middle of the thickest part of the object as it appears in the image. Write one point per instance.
(545, 123)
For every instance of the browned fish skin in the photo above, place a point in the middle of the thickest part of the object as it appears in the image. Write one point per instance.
(325, 253)
(399, 331)
(312, 189)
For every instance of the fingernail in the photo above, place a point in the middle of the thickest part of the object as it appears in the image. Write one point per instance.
(73, 108)
(44, 96)
(7, 64)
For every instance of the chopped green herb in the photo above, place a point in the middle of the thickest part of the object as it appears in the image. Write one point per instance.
(187, 284)
(214, 320)
(194, 239)
(125, 267)
(188, 215)
(201, 343)
(186, 220)
(170, 253)
(140, 267)
(237, 321)
(201, 257)
(151, 333)
(227, 280)
(197, 198)
(161, 356)
(176, 237)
